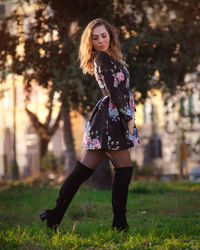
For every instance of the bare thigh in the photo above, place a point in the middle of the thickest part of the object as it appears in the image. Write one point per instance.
(92, 158)
(119, 158)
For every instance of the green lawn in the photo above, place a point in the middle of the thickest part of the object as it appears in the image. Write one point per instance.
(160, 215)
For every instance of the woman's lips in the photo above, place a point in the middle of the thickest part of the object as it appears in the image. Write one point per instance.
(102, 46)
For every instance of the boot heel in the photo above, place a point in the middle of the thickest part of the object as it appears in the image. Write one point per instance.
(43, 215)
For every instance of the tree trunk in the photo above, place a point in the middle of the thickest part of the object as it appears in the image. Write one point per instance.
(43, 146)
(68, 138)
(44, 131)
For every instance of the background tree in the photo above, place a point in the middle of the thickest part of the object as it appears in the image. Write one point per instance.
(162, 37)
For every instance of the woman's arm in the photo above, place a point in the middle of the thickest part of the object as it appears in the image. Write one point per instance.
(114, 84)
(131, 125)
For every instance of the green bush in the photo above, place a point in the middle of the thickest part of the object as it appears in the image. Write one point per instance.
(52, 162)
(145, 170)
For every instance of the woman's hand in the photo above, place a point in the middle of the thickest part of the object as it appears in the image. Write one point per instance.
(131, 124)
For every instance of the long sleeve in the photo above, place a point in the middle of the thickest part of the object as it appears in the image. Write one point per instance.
(115, 84)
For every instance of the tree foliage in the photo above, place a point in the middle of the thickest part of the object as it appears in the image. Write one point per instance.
(157, 36)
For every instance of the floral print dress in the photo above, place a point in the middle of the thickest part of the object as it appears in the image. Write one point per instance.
(107, 126)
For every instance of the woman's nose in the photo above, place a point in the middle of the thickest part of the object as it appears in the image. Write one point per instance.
(100, 39)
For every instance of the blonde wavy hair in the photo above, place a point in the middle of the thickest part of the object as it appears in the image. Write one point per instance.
(86, 50)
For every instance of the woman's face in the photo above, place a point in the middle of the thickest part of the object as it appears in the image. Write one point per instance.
(100, 38)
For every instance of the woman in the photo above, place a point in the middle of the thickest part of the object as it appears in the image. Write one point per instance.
(110, 129)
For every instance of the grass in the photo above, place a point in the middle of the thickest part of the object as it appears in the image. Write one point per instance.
(160, 215)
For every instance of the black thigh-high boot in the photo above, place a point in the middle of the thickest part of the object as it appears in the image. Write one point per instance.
(69, 188)
(121, 182)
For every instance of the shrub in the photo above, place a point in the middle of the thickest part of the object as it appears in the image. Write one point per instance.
(145, 170)
(52, 162)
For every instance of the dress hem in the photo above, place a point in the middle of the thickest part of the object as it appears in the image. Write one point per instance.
(121, 148)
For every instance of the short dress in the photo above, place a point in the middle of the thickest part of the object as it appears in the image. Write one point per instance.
(107, 125)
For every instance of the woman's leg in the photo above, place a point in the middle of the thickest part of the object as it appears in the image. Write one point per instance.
(92, 158)
(82, 171)
(123, 173)
(119, 158)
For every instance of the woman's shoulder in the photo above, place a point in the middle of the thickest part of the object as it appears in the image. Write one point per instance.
(102, 56)
(105, 58)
